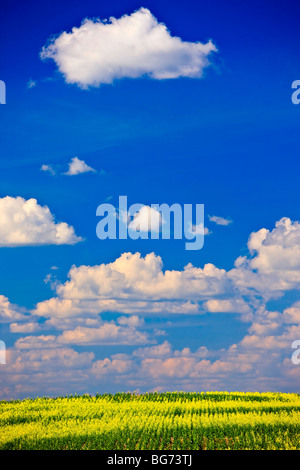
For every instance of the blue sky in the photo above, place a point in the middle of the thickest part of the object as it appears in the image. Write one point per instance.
(227, 139)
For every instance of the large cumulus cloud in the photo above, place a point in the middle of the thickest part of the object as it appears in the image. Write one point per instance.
(131, 46)
(26, 223)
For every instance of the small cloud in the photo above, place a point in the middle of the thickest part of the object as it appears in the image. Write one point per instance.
(146, 219)
(199, 229)
(51, 280)
(219, 220)
(29, 327)
(77, 167)
(10, 312)
(48, 168)
(31, 83)
(132, 320)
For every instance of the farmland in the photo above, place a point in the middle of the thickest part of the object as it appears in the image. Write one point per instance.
(153, 421)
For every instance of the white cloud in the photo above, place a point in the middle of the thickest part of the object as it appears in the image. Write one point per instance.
(278, 249)
(219, 220)
(159, 350)
(76, 167)
(31, 83)
(70, 323)
(133, 284)
(134, 276)
(147, 219)
(37, 362)
(292, 314)
(107, 333)
(260, 361)
(115, 367)
(25, 222)
(199, 229)
(274, 263)
(227, 305)
(132, 46)
(60, 308)
(132, 320)
(26, 327)
(9, 312)
(36, 342)
(48, 168)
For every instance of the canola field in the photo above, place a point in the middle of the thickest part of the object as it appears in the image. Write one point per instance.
(154, 421)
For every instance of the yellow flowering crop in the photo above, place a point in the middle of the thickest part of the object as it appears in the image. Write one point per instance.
(170, 421)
